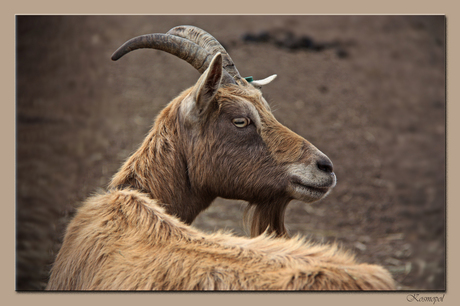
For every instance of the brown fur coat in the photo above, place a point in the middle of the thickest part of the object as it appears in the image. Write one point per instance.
(123, 240)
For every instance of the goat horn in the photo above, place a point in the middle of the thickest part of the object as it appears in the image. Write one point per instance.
(183, 48)
(209, 43)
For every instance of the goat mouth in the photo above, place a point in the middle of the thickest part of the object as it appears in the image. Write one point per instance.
(307, 192)
(312, 188)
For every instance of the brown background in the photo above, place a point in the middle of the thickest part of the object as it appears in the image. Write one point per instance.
(374, 102)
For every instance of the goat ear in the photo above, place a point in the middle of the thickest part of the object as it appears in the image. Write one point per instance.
(208, 84)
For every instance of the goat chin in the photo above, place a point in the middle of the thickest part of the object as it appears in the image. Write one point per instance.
(123, 240)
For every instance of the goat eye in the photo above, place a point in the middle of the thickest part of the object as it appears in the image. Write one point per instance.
(241, 122)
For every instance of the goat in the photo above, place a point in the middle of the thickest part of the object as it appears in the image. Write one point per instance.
(217, 138)
(124, 240)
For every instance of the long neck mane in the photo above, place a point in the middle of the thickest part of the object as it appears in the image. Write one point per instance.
(159, 168)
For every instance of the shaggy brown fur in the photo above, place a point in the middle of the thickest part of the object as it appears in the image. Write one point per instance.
(123, 240)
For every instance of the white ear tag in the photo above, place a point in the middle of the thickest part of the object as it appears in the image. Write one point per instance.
(260, 83)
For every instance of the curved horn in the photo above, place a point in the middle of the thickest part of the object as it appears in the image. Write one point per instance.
(209, 43)
(185, 49)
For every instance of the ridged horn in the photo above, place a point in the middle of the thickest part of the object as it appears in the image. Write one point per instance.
(183, 48)
(207, 42)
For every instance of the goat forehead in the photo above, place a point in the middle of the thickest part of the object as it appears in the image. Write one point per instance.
(260, 104)
(263, 110)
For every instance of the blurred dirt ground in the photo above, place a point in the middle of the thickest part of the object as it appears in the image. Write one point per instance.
(369, 91)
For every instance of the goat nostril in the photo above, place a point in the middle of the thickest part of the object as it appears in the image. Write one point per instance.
(325, 165)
